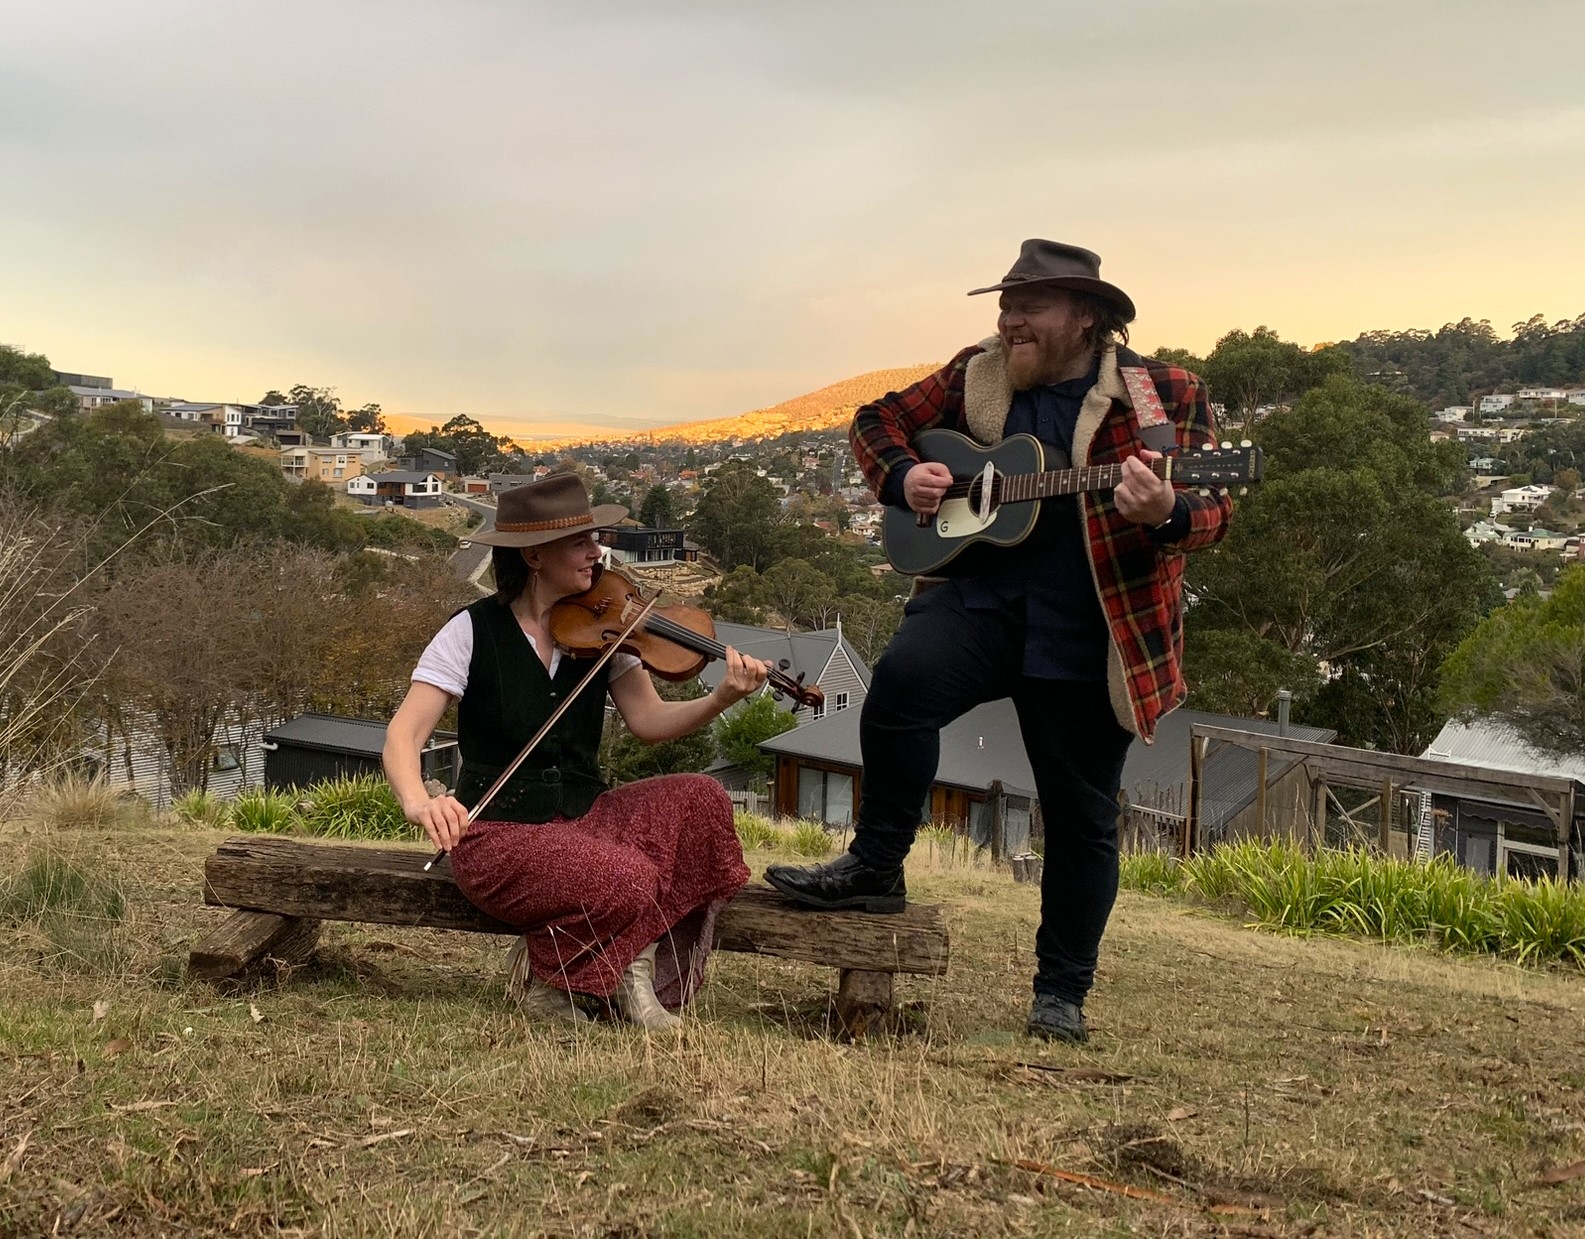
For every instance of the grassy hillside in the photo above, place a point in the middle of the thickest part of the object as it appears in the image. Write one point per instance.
(1238, 1083)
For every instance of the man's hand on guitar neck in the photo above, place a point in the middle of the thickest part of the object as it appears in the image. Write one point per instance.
(1141, 496)
(926, 483)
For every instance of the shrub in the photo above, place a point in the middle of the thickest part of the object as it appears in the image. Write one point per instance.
(264, 812)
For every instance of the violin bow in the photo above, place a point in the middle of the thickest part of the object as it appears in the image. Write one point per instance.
(539, 735)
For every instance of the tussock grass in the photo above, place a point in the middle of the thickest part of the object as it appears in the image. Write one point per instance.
(358, 807)
(757, 833)
(71, 801)
(200, 808)
(1360, 893)
(264, 812)
(810, 839)
(70, 909)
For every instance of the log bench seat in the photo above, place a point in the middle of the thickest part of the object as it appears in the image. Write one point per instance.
(281, 889)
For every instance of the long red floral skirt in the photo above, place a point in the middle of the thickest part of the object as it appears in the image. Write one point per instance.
(651, 861)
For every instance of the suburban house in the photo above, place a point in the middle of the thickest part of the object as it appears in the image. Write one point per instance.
(1496, 402)
(505, 481)
(1520, 499)
(632, 543)
(90, 398)
(402, 488)
(323, 464)
(430, 460)
(824, 658)
(370, 447)
(985, 778)
(134, 759)
(1521, 834)
(1534, 540)
(276, 421)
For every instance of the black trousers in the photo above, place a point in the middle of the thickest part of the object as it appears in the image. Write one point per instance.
(945, 660)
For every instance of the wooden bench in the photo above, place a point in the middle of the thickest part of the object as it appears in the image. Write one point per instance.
(283, 888)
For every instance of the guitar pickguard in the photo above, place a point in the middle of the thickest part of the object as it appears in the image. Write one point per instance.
(960, 518)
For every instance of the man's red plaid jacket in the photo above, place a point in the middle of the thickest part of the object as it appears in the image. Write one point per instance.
(1139, 579)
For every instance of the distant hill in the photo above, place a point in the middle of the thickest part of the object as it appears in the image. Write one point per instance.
(825, 409)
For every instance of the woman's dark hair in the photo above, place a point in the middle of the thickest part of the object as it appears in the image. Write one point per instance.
(510, 572)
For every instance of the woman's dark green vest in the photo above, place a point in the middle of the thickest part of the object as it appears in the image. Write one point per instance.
(509, 696)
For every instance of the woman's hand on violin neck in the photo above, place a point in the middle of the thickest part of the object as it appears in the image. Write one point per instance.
(443, 818)
(743, 678)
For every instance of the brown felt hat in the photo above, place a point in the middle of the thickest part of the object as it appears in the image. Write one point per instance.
(1065, 266)
(543, 511)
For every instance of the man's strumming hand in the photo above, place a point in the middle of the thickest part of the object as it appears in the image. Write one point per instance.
(925, 484)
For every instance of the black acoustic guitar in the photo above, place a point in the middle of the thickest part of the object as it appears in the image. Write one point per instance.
(996, 491)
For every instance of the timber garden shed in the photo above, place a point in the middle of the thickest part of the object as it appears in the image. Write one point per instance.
(312, 747)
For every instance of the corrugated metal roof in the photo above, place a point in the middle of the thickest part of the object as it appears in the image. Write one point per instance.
(986, 744)
(806, 652)
(1496, 746)
(334, 733)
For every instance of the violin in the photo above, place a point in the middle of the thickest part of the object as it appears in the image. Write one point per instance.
(675, 642)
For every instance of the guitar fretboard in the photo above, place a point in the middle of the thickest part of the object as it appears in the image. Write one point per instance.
(1023, 487)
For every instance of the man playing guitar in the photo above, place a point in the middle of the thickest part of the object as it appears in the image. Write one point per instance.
(1081, 623)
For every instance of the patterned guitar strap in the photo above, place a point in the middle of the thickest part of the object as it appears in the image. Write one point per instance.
(1150, 418)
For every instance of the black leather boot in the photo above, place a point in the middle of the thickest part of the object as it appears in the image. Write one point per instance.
(846, 882)
(1056, 1019)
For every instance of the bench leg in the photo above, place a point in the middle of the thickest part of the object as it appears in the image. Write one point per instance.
(245, 937)
(864, 1001)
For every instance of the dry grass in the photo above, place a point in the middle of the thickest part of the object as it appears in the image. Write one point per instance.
(1312, 1087)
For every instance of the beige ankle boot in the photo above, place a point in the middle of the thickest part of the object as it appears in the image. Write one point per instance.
(635, 995)
(533, 997)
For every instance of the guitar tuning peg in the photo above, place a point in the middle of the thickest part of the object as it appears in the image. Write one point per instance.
(1205, 490)
(1243, 490)
(1246, 443)
(1210, 445)
(1226, 444)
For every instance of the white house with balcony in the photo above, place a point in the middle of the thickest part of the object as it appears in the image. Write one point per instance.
(403, 488)
(1541, 393)
(1521, 499)
(1496, 402)
(370, 447)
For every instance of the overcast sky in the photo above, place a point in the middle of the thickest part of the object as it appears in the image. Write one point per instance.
(630, 213)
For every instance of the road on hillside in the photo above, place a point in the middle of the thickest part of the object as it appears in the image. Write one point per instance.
(469, 562)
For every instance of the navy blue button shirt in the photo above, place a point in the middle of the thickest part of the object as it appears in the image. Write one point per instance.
(1048, 574)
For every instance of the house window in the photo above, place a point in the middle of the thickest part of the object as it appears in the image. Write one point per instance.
(225, 757)
(338, 473)
(841, 702)
(825, 796)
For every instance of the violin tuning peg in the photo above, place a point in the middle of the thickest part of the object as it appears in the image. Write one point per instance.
(784, 664)
(1246, 443)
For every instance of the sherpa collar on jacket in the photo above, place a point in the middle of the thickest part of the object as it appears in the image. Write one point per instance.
(987, 396)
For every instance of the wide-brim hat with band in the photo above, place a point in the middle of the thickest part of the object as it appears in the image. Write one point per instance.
(542, 511)
(1065, 266)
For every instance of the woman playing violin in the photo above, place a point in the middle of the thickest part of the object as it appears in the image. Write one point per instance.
(615, 890)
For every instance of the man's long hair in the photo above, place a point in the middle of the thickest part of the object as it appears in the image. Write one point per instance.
(1109, 326)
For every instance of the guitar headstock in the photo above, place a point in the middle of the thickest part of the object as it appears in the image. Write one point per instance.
(1217, 467)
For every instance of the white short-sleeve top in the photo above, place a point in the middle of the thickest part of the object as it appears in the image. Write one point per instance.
(444, 662)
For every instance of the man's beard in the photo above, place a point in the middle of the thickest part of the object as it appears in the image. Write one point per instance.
(1031, 367)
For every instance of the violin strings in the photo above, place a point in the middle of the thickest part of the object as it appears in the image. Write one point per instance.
(689, 639)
